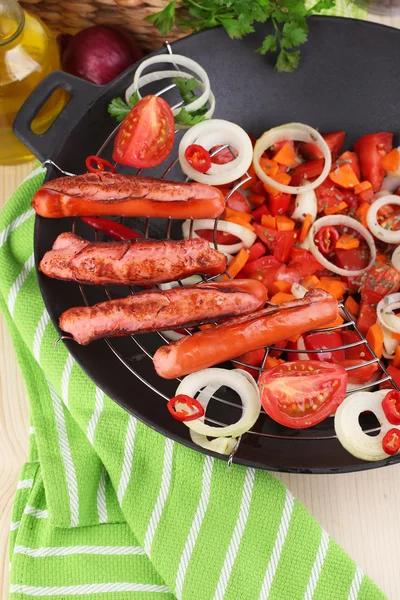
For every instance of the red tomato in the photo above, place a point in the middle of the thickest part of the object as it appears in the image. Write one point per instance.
(223, 156)
(394, 374)
(279, 243)
(254, 358)
(353, 260)
(264, 269)
(222, 236)
(358, 353)
(307, 171)
(236, 201)
(146, 135)
(304, 261)
(302, 393)
(335, 141)
(329, 195)
(361, 375)
(370, 150)
(279, 204)
(366, 317)
(323, 340)
(381, 280)
(256, 251)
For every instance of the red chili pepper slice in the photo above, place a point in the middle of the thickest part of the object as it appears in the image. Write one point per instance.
(185, 408)
(94, 164)
(391, 441)
(114, 230)
(391, 407)
(198, 157)
(326, 239)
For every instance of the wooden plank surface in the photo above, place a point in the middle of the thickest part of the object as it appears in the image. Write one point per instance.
(360, 511)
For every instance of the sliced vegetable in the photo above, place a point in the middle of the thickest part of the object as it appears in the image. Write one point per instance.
(237, 264)
(284, 223)
(246, 236)
(114, 230)
(344, 176)
(391, 441)
(198, 157)
(211, 133)
(307, 172)
(370, 150)
(279, 243)
(391, 161)
(391, 407)
(286, 155)
(94, 164)
(326, 239)
(185, 408)
(222, 445)
(295, 132)
(335, 141)
(352, 306)
(147, 134)
(282, 297)
(337, 221)
(235, 380)
(325, 340)
(278, 204)
(308, 221)
(306, 204)
(349, 431)
(375, 339)
(347, 242)
(302, 393)
(385, 235)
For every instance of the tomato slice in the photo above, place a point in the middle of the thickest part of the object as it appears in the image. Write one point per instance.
(146, 135)
(325, 340)
(335, 141)
(198, 157)
(363, 374)
(370, 150)
(301, 394)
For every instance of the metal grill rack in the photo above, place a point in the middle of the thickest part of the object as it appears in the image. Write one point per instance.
(141, 341)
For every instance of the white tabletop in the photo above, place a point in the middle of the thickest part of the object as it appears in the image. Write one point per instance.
(359, 510)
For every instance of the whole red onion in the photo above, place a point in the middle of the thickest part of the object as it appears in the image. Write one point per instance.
(100, 53)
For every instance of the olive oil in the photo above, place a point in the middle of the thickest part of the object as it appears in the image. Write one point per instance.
(28, 52)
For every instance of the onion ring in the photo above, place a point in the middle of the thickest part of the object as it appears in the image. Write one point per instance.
(335, 220)
(396, 259)
(296, 132)
(248, 237)
(385, 314)
(385, 235)
(217, 132)
(222, 377)
(174, 59)
(348, 429)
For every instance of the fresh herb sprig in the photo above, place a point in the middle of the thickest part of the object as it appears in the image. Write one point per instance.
(238, 17)
(119, 109)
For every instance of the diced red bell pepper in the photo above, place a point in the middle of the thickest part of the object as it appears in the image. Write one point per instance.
(324, 340)
(259, 212)
(335, 141)
(363, 374)
(114, 230)
(307, 171)
(391, 441)
(329, 195)
(279, 243)
(185, 408)
(370, 150)
(279, 204)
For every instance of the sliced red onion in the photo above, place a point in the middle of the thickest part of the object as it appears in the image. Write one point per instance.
(338, 221)
(385, 235)
(348, 428)
(217, 132)
(298, 132)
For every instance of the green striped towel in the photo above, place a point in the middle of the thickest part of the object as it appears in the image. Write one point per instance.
(107, 508)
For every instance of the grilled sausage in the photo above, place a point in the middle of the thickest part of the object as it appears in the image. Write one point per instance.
(129, 263)
(96, 194)
(158, 311)
(229, 340)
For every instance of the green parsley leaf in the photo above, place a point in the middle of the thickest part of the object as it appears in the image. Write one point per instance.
(165, 19)
(288, 62)
(186, 88)
(189, 118)
(268, 45)
(294, 33)
(119, 109)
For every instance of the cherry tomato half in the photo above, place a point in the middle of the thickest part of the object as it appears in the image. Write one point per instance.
(146, 135)
(302, 393)
(326, 239)
(198, 157)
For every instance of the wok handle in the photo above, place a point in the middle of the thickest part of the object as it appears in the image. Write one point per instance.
(82, 95)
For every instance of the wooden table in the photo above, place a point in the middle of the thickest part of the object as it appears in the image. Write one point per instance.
(360, 511)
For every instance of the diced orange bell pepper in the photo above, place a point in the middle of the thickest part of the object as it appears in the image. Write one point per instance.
(344, 177)
(237, 264)
(332, 210)
(271, 362)
(240, 222)
(283, 178)
(305, 228)
(361, 213)
(268, 221)
(257, 199)
(391, 161)
(310, 281)
(230, 212)
(362, 187)
(281, 286)
(251, 171)
(284, 223)
(282, 297)
(270, 167)
(347, 242)
(396, 359)
(374, 338)
(286, 155)
(352, 306)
